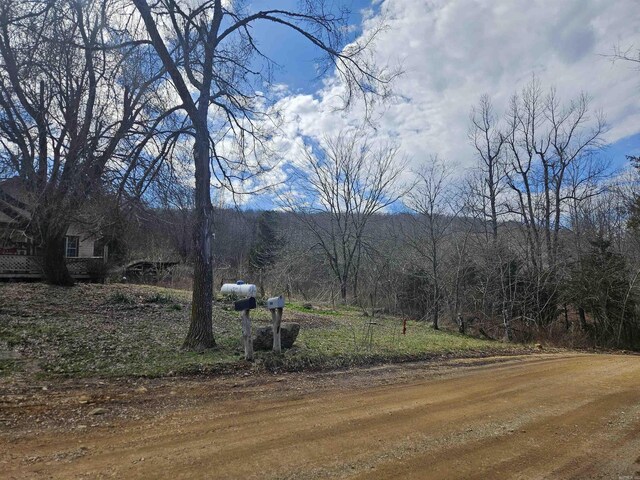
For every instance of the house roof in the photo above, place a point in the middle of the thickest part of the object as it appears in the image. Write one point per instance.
(4, 218)
(17, 203)
(14, 187)
(14, 208)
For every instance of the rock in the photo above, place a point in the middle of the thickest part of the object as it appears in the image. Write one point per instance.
(98, 411)
(84, 399)
(263, 338)
(141, 390)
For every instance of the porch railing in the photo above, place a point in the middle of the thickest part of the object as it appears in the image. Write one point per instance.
(30, 266)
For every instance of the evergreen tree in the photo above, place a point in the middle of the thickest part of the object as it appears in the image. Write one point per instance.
(634, 208)
(267, 244)
(600, 289)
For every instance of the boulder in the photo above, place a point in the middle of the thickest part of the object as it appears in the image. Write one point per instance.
(263, 337)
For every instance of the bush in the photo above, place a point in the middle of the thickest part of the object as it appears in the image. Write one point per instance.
(121, 298)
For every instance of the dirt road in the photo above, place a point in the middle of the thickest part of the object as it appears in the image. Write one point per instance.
(543, 416)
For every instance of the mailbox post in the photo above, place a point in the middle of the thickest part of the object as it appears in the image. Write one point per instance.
(245, 306)
(276, 305)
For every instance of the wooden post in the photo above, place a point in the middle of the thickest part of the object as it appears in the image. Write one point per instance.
(276, 319)
(276, 305)
(461, 325)
(246, 336)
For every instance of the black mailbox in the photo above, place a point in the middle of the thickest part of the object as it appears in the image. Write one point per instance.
(245, 304)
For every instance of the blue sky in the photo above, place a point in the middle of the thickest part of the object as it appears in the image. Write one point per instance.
(296, 55)
(626, 146)
(452, 52)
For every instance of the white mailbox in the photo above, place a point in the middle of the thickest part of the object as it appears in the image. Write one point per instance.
(275, 302)
(241, 290)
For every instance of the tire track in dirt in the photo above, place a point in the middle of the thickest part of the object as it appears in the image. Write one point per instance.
(559, 416)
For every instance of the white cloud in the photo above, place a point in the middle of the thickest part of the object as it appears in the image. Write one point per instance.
(453, 51)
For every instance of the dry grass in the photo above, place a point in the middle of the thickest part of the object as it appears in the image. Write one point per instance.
(134, 330)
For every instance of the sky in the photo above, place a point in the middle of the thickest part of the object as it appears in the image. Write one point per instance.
(452, 52)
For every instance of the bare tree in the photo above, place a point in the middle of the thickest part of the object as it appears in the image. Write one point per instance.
(432, 199)
(341, 186)
(547, 141)
(212, 58)
(75, 110)
(488, 141)
(551, 149)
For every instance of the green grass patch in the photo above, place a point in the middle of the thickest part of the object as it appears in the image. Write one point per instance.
(107, 331)
(380, 340)
(121, 298)
(340, 310)
(130, 330)
(159, 297)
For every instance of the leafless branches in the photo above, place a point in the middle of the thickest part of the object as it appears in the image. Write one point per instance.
(213, 62)
(339, 187)
(74, 115)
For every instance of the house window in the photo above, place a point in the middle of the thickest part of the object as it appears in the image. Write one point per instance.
(71, 246)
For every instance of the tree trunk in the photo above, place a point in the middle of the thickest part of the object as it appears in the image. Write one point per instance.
(200, 335)
(261, 283)
(507, 325)
(436, 319)
(492, 201)
(436, 307)
(583, 319)
(547, 213)
(461, 325)
(434, 272)
(343, 291)
(54, 265)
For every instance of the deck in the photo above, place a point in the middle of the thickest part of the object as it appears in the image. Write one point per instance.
(30, 267)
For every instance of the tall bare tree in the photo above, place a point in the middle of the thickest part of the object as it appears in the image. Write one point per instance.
(488, 142)
(551, 147)
(341, 186)
(76, 106)
(213, 60)
(547, 143)
(432, 201)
